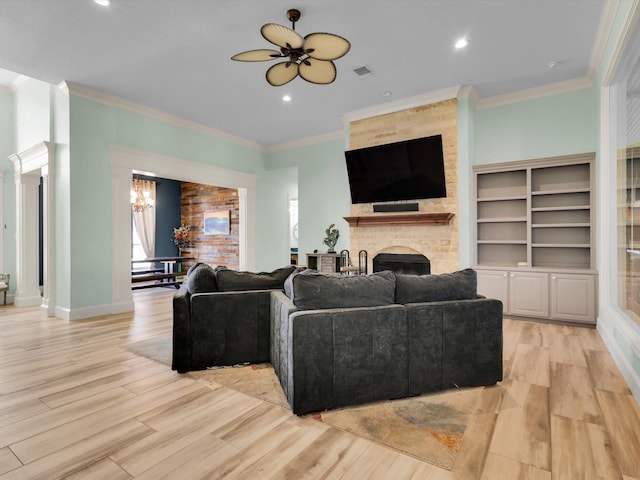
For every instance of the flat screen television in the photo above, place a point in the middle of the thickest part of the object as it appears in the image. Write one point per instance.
(408, 170)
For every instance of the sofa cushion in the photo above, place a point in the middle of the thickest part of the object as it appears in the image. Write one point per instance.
(315, 291)
(288, 283)
(459, 285)
(201, 278)
(233, 281)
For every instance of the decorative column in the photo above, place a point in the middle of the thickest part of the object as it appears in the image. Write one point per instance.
(27, 255)
(29, 166)
(48, 237)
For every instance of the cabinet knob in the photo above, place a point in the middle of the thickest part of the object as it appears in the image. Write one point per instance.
(504, 274)
(553, 277)
(513, 275)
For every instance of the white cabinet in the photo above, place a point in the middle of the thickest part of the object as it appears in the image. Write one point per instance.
(529, 294)
(494, 284)
(535, 236)
(573, 297)
(555, 296)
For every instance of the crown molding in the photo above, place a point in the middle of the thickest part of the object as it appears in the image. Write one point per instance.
(630, 25)
(403, 104)
(535, 92)
(305, 142)
(469, 93)
(605, 25)
(114, 101)
(64, 88)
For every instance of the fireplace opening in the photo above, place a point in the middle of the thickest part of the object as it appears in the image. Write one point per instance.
(409, 263)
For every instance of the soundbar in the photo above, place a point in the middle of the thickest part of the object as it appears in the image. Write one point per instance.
(396, 207)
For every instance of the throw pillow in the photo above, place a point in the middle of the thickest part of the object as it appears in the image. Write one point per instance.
(233, 281)
(314, 291)
(201, 278)
(459, 285)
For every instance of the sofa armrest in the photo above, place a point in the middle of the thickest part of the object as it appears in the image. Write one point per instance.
(454, 344)
(339, 357)
(228, 328)
(181, 356)
(281, 308)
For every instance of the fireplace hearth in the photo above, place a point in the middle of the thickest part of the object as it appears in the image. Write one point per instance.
(409, 263)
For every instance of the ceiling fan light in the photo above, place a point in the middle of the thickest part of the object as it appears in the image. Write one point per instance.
(282, 73)
(318, 71)
(326, 46)
(260, 55)
(281, 36)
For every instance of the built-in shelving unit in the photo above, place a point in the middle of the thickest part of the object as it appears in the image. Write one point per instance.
(537, 217)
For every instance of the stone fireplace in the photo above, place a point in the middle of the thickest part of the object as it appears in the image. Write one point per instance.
(409, 263)
(432, 231)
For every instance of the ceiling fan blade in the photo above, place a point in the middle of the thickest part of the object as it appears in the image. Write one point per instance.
(281, 36)
(326, 46)
(260, 55)
(318, 71)
(282, 73)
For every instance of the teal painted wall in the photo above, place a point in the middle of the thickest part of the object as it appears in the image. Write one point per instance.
(7, 147)
(560, 124)
(466, 141)
(33, 108)
(93, 126)
(60, 136)
(274, 188)
(323, 192)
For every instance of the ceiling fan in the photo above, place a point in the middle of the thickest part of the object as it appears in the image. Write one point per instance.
(310, 57)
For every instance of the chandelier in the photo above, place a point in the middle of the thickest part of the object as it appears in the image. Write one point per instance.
(140, 198)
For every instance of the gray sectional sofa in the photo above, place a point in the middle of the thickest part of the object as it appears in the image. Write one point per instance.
(337, 340)
(221, 317)
(345, 340)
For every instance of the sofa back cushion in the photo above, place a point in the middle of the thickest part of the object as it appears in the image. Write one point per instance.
(233, 281)
(201, 278)
(459, 285)
(311, 290)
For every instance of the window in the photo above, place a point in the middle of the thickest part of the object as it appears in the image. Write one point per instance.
(628, 166)
(137, 252)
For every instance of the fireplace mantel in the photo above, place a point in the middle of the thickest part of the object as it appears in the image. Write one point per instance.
(400, 219)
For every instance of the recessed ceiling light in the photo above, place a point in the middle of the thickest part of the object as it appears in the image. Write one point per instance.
(103, 3)
(386, 93)
(286, 98)
(461, 43)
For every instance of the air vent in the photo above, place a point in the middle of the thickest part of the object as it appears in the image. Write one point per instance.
(362, 71)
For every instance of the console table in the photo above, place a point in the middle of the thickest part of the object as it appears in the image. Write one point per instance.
(324, 262)
(166, 276)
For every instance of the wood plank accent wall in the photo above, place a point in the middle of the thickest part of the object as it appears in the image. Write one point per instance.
(212, 249)
(438, 242)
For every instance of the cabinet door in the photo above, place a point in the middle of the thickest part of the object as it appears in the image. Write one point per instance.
(529, 294)
(494, 284)
(573, 297)
(327, 264)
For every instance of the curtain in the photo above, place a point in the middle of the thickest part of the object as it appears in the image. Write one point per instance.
(145, 221)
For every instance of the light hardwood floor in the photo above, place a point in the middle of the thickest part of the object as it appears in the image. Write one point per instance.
(74, 405)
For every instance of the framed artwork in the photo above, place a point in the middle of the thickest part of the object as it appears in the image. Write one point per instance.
(217, 223)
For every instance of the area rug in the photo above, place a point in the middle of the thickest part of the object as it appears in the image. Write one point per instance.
(429, 427)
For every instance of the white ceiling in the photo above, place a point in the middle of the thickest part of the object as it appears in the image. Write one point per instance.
(174, 55)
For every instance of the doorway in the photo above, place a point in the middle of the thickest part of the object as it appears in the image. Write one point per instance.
(123, 162)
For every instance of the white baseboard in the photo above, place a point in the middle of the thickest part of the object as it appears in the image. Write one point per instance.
(612, 334)
(93, 311)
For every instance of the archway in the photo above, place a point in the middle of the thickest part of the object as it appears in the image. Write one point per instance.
(123, 162)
